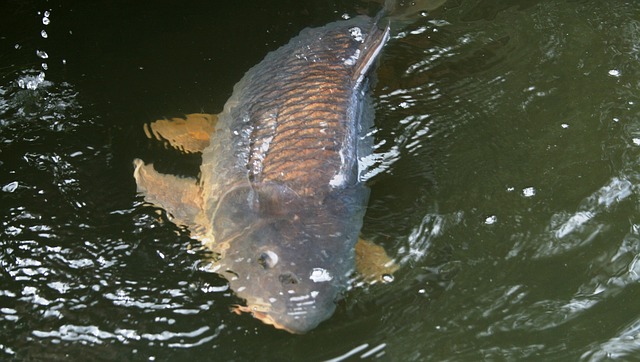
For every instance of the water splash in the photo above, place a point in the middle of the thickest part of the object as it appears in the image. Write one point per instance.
(31, 82)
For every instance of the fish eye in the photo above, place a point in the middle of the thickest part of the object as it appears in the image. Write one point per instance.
(268, 259)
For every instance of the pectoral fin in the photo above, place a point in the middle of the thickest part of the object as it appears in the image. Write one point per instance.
(179, 196)
(190, 134)
(373, 263)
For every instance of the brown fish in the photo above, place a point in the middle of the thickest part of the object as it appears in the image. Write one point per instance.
(280, 194)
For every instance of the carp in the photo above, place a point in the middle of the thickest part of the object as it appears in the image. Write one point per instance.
(280, 196)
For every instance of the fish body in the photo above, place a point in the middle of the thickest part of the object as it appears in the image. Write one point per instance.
(280, 194)
(291, 200)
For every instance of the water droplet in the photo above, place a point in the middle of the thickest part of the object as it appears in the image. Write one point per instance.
(490, 220)
(44, 34)
(356, 33)
(45, 18)
(10, 187)
(614, 73)
(319, 275)
(31, 82)
(352, 59)
(42, 54)
(529, 192)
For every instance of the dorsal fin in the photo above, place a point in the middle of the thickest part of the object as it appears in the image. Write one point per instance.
(370, 49)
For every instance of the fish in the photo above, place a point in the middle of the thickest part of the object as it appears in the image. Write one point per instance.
(281, 196)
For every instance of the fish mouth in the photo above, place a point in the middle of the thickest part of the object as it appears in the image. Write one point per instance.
(292, 325)
(264, 317)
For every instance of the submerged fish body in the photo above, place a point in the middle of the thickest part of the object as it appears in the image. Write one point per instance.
(279, 194)
(296, 124)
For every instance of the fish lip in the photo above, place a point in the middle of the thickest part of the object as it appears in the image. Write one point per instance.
(263, 317)
(266, 318)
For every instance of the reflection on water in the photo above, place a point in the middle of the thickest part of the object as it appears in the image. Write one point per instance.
(504, 182)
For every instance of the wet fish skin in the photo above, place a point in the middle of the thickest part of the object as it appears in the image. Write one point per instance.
(296, 126)
(279, 196)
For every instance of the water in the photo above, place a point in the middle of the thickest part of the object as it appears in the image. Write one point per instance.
(506, 183)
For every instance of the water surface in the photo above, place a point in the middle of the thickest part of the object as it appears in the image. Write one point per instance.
(505, 183)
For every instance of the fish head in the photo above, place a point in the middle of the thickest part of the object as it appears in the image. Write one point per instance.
(289, 266)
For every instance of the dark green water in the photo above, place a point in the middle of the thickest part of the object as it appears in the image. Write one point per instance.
(506, 183)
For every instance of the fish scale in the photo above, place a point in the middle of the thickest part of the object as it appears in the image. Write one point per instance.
(299, 132)
(279, 195)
